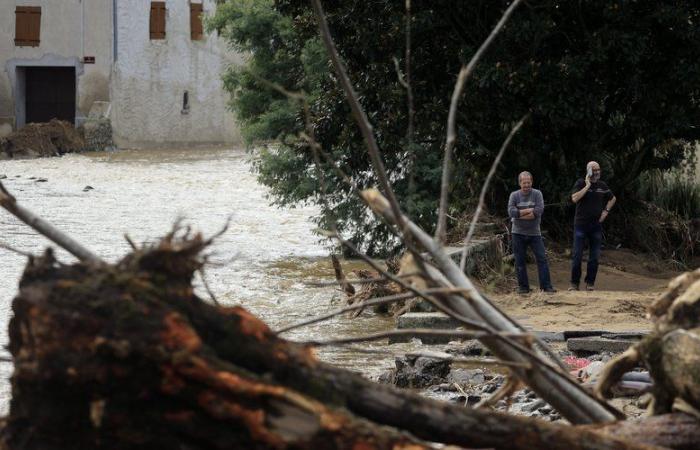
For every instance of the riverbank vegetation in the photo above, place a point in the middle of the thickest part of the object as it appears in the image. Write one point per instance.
(614, 82)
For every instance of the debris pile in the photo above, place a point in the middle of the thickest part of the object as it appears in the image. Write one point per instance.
(35, 140)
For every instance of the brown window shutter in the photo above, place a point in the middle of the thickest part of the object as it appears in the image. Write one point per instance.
(27, 26)
(157, 20)
(196, 28)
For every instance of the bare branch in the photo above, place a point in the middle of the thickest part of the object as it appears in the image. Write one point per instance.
(44, 228)
(550, 382)
(357, 111)
(462, 78)
(408, 332)
(358, 280)
(485, 187)
(438, 355)
(340, 277)
(206, 286)
(373, 302)
(10, 248)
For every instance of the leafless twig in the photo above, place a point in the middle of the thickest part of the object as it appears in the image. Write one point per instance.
(464, 74)
(484, 189)
(10, 248)
(408, 332)
(357, 111)
(206, 286)
(373, 302)
(438, 355)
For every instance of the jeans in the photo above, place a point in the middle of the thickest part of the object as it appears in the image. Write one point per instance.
(520, 244)
(594, 234)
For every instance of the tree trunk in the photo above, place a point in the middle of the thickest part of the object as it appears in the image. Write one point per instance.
(127, 356)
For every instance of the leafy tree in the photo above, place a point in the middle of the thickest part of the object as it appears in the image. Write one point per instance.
(615, 81)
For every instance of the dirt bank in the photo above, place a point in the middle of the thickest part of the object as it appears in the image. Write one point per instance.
(626, 284)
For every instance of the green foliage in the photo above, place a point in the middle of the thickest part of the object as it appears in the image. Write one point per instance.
(671, 191)
(614, 81)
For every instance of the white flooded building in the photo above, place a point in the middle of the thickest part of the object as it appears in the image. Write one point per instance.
(155, 72)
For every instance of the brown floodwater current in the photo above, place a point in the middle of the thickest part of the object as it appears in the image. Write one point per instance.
(265, 260)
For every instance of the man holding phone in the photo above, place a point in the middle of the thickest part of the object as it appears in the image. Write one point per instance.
(593, 200)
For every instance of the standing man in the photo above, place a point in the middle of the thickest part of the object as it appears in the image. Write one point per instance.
(593, 201)
(525, 208)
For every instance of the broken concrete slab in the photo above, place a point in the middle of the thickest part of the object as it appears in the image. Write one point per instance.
(568, 334)
(481, 253)
(630, 335)
(436, 321)
(433, 320)
(550, 336)
(598, 344)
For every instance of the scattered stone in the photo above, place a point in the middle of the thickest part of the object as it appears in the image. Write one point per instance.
(88, 188)
(41, 180)
(534, 406)
(2, 177)
(420, 372)
(466, 376)
(471, 347)
(98, 134)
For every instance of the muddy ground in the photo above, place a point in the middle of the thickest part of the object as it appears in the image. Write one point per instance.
(626, 284)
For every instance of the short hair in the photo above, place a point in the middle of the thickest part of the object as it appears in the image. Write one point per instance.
(524, 173)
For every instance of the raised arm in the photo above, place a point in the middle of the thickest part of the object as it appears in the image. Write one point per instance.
(578, 195)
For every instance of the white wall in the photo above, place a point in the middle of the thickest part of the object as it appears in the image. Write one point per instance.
(70, 29)
(150, 76)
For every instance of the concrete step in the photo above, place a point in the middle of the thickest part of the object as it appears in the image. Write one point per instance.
(598, 344)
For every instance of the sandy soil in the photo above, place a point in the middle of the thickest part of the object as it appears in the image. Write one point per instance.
(626, 284)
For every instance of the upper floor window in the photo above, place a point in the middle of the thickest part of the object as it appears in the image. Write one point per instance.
(27, 26)
(157, 23)
(196, 28)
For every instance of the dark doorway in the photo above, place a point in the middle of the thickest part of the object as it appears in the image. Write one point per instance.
(50, 93)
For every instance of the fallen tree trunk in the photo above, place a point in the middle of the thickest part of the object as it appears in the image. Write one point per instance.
(126, 356)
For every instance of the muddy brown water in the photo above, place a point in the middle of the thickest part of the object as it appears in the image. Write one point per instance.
(267, 257)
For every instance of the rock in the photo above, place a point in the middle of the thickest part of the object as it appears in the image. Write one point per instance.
(2, 177)
(471, 347)
(88, 188)
(534, 406)
(466, 376)
(420, 372)
(98, 134)
(41, 180)
(386, 377)
(681, 363)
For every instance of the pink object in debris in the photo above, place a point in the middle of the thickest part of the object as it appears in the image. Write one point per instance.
(576, 363)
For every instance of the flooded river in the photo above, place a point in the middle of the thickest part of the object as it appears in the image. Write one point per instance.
(267, 256)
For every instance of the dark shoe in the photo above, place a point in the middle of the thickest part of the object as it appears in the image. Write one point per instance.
(590, 287)
(573, 287)
(523, 291)
(549, 290)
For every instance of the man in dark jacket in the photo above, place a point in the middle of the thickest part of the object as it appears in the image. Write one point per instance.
(525, 208)
(593, 200)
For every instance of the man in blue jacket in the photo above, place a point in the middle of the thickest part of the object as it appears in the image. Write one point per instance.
(525, 208)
